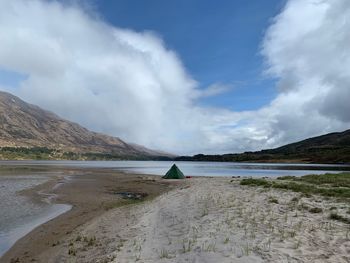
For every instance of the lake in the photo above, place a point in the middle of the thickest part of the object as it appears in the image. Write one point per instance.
(194, 168)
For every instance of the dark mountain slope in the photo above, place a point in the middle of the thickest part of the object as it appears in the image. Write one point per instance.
(331, 141)
(329, 148)
(26, 125)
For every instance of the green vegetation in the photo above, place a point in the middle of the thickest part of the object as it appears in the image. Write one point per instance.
(34, 153)
(44, 153)
(273, 200)
(332, 155)
(335, 216)
(329, 148)
(315, 210)
(334, 180)
(330, 185)
(256, 182)
(327, 185)
(164, 254)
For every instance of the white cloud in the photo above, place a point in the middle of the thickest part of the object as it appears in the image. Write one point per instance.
(213, 90)
(112, 80)
(129, 84)
(307, 49)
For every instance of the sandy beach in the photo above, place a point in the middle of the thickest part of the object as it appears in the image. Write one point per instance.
(91, 192)
(193, 220)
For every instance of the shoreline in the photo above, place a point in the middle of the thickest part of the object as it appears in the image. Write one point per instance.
(17, 233)
(211, 220)
(90, 193)
(39, 194)
(202, 219)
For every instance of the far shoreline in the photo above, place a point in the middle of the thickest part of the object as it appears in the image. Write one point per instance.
(193, 168)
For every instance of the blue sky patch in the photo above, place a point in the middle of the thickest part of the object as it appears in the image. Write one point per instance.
(11, 79)
(218, 42)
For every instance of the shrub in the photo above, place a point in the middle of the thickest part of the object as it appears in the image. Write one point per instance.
(335, 216)
(315, 210)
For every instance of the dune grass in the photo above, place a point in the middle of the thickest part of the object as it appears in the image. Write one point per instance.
(330, 185)
(334, 180)
(335, 216)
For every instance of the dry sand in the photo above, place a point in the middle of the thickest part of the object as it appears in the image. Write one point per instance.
(214, 220)
(209, 220)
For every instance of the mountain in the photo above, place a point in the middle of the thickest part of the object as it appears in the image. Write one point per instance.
(329, 142)
(329, 148)
(23, 126)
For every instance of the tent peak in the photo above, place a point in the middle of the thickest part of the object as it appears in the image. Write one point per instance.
(174, 173)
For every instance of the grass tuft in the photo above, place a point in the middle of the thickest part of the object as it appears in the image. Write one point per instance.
(328, 185)
(335, 216)
(315, 210)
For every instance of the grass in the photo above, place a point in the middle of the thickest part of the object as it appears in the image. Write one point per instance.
(204, 212)
(334, 180)
(246, 249)
(329, 185)
(337, 217)
(315, 210)
(164, 254)
(123, 202)
(211, 247)
(295, 199)
(256, 182)
(44, 153)
(297, 244)
(273, 200)
(91, 241)
(72, 252)
(187, 245)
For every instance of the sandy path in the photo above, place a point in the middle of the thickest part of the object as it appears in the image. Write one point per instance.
(215, 220)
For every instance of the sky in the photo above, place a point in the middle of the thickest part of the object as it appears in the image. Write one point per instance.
(217, 43)
(183, 76)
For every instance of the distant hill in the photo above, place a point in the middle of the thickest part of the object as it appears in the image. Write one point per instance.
(27, 130)
(329, 148)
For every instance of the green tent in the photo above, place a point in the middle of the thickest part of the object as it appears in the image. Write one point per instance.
(174, 173)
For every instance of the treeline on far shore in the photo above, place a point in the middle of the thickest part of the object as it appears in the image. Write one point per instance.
(44, 153)
(330, 156)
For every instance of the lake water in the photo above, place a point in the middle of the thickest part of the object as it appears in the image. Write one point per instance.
(195, 168)
(19, 215)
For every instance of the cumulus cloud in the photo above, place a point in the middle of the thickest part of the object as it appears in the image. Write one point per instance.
(129, 84)
(307, 49)
(108, 79)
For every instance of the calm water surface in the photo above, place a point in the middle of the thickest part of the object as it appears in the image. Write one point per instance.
(18, 214)
(196, 168)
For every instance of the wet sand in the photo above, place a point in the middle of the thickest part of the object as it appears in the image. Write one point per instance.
(91, 192)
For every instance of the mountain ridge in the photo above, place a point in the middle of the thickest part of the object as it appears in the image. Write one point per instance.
(24, 125)
(26, 129)
(328, 148)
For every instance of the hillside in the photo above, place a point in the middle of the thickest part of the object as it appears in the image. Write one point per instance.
(329, 148)
(23, 126)
(328, 142)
